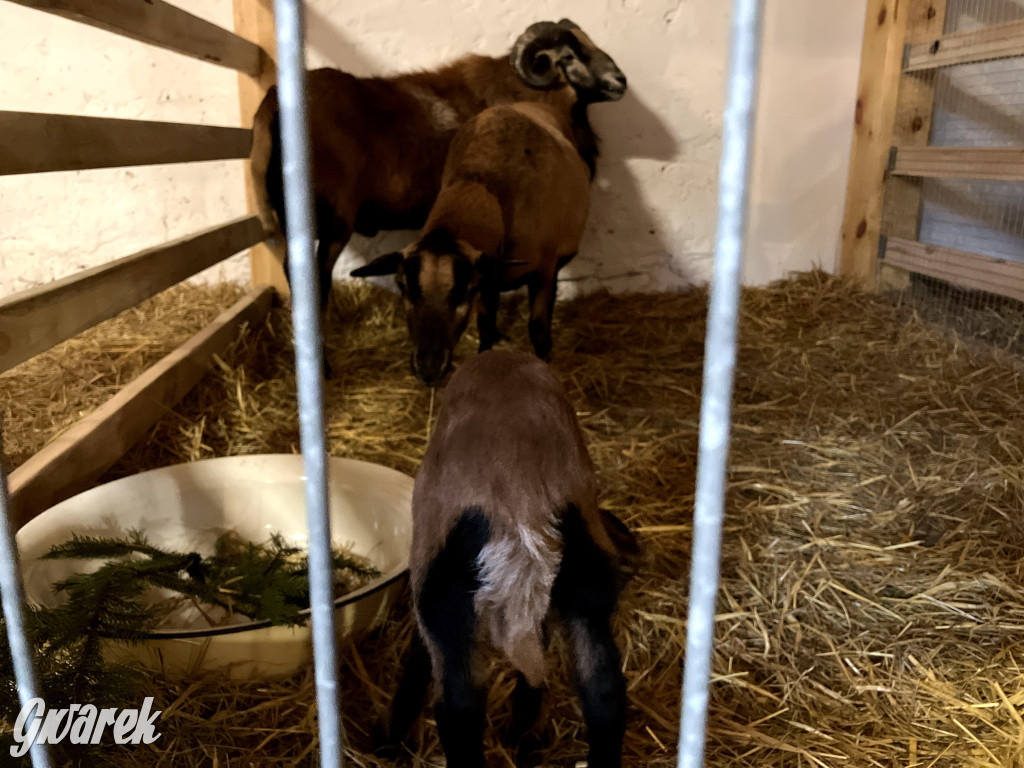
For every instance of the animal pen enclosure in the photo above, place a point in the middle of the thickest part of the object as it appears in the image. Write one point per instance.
(935, 203)
(871, 604)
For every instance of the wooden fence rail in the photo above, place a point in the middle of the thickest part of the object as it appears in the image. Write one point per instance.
(1000, 41)
(35, 320)
(968, 270)
(960, 163)
(34, 142)
(163, 25)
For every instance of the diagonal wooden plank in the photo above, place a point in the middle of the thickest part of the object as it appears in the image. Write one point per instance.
(35, 320)
(76, 458)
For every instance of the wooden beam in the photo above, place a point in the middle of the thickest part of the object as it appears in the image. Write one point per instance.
(915, 103)
(254, 19)
(33, 142)
(962, 268)
(881, 55)
(960, 163)
(160, 24)
(33, 321)
(1000, 41)
(76, 458)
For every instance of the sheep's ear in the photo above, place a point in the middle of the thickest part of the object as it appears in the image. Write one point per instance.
(382, 265)
(490, 268)
(631, 555)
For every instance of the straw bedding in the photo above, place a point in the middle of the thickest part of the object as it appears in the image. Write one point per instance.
(872, 602)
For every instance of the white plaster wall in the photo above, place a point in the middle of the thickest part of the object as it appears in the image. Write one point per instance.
(653, 210)
(810, 64)
(55, 224)
(652, 213)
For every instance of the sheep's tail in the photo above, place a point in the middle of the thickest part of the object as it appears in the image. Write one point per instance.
(265, 166)
(517, 571)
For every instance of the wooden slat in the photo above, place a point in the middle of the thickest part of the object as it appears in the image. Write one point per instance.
(960, 163)
(1000, 41)
(254, 19)
(962, 268)
(160, 24)
(881, 54)
(33, 321)
(33, 142)
(78, 457)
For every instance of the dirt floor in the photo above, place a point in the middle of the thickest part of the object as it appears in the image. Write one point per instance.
(872, 601)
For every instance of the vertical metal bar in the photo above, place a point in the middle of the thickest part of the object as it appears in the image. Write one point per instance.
(13, 596)
(719, 363)
(291, 70)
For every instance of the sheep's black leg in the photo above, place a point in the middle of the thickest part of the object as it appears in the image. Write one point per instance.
(602, 690)
(585, 594)
(487, 318)
(412, 690)
(325, 259)
(526, 705)
(445, 607)
(332, 238)
(542, 289)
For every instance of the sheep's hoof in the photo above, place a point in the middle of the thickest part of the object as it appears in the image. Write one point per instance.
(385, 747)
(491, 341)
(528, 753)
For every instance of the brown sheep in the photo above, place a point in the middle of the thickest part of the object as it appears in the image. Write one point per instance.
(512, 208)
(508, 535)
(379, 144)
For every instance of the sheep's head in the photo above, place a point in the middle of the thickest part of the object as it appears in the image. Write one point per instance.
(549, 54)
(439, 277)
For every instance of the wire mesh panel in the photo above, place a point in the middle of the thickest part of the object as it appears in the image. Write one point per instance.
(975, 226)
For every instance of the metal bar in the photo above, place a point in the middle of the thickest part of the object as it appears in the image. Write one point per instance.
(309, 356)
(13, 596)
(719, 364)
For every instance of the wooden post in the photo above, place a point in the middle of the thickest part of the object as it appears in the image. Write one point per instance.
(912, 127)
(254, 20)
(881, 55)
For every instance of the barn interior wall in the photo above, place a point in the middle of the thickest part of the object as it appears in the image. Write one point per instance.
(653, 210)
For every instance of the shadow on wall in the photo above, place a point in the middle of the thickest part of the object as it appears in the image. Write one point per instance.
(622, 243)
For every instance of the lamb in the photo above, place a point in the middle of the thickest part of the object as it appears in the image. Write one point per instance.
(379, 144)
(507, 535)
(514, 199)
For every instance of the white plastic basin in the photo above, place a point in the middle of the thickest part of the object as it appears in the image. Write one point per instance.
(187, 506)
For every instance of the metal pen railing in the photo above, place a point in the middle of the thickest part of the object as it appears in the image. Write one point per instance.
(719, 365)
(12, 594)
(298, 208)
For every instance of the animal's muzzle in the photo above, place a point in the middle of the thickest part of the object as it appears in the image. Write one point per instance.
(431, 366)
(614, 86)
